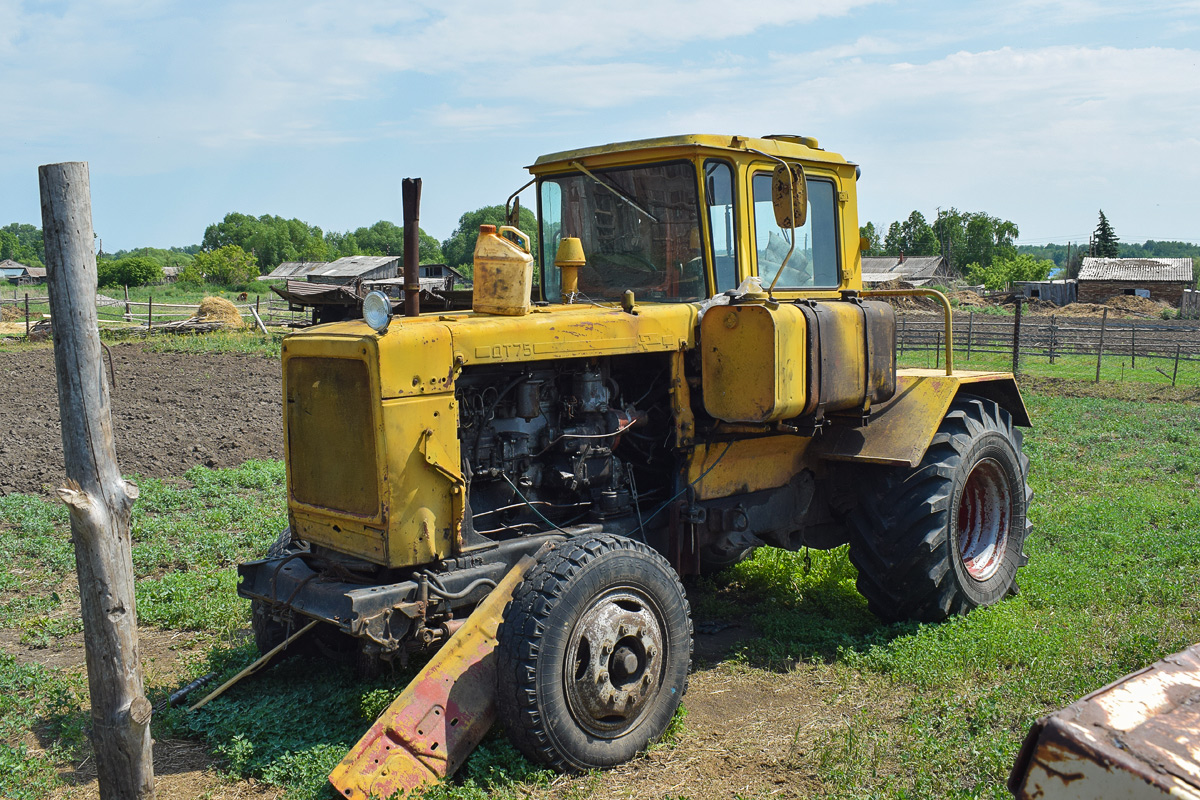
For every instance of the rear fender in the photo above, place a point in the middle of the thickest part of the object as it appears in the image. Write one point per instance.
(900, 430)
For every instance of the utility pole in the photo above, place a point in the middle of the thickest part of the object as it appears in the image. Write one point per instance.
(98, 500)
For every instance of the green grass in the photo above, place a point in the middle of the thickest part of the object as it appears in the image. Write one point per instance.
(1114, 560)
(1113, 368)
(937, 711)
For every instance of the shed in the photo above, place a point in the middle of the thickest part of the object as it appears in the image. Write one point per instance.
(1059, 292)
(917, 270)
(292, 270)
(18, 273)
(356, 268)
(1162, 279)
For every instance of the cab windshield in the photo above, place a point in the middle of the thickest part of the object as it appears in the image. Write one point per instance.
(640, 229)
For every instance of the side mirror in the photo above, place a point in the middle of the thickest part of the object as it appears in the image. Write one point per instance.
(789, 195)
(514, 214)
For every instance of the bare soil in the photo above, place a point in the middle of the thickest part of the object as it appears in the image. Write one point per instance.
(171, 411)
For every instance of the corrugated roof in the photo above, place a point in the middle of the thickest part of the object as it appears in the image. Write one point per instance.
(1149, 270)
(291, 269)
(911, 267)
(353, 266)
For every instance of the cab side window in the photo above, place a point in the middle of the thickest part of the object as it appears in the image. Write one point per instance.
(718, 194)
(814, 261)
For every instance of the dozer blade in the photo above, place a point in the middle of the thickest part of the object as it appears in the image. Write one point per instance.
(433, 725)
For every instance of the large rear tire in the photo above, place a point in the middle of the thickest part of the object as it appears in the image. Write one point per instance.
(593, 653)
(949, 535)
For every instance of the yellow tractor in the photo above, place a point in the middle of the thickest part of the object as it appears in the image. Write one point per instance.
(695, 373)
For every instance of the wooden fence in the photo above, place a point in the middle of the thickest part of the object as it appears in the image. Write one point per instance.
(1042, 336)
(274, 311)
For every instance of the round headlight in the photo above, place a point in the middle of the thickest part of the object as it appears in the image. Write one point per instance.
(377, 310)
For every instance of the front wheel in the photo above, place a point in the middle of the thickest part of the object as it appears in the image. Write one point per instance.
(949, 535)
(593, 653)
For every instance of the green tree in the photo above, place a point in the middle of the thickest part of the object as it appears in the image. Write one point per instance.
(459, 249)
(874, 245)
(174, 257)
(228, 265)
(22, 243)
(913, 237)
(387, 239)
(271, 240)
(1104, 240)
(1003, 271)
(132, 271)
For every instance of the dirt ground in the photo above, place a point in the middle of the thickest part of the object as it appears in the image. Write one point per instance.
(171, 411)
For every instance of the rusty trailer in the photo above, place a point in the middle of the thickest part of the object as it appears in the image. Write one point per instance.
(1136, 738)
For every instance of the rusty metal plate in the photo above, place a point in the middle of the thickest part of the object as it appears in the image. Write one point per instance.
(1136, 738)
(433, 725)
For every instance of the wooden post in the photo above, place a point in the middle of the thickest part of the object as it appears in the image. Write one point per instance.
(27, 315)
(128, 312)
(937, 351)
(98, 500)
(1100, 349)
(1053, 328)
(150, 315)
(1016, 365)
(970, 330)
(1133, 346)
(1175, 374)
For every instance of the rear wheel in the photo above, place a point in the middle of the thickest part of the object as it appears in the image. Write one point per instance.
(593, 653)
(947, 536)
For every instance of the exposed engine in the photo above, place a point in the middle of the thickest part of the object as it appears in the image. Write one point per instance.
(553, 447)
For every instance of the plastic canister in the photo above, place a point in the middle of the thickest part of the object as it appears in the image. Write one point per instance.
(503, 272)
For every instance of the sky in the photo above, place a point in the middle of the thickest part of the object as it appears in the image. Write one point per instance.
(1038, 111)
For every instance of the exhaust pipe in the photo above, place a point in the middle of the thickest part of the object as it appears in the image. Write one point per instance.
(410, 193)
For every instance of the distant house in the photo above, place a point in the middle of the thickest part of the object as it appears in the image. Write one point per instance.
(18, 273)
(444, 271)
(1162, 279)
(917, 270)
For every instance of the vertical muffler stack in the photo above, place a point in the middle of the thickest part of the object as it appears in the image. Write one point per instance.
(410, 195)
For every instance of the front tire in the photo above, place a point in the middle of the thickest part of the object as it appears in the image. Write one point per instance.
(593, 653)
(949, 535)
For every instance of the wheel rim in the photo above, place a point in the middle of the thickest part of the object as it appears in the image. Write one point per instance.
(614, 664)
(984, 519)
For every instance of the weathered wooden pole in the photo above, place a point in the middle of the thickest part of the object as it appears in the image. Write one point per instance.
(1053, 329)
(1017, 338)
(1100, 347)
(98, 500)
(27, 315)
(1175, 374)
(970, 332)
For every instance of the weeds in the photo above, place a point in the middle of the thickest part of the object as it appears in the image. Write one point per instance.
(938, 711)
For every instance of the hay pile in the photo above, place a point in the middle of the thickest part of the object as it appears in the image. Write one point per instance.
(220, 311)
(1086, 310)
(968, 299)
(917, 303)
(10, 313)
(1137, 305)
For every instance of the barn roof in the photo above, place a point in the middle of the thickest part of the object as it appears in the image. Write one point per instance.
(354, 266)
(293, 269)
(1167, 270)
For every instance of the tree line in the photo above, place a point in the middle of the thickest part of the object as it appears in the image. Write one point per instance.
(241, 247)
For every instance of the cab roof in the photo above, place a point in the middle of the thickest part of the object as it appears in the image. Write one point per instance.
(784, 146)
